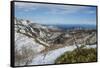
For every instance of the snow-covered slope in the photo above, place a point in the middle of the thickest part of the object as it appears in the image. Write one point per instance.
(26, 32)
(53, 55)
(21, 40)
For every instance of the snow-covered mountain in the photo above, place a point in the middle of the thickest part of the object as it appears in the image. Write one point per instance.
(33, 34)
(23, 40)
(45, 39)
(48, 35)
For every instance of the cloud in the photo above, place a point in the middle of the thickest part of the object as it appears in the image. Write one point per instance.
(25, 6)
(68, 9)
(52, 8)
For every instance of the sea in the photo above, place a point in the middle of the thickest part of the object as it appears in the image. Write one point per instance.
(74, 26)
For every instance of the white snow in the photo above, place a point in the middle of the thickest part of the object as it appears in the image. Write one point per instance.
(21, 40)
(91, 46)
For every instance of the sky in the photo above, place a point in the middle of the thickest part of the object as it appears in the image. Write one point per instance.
(55, 14)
